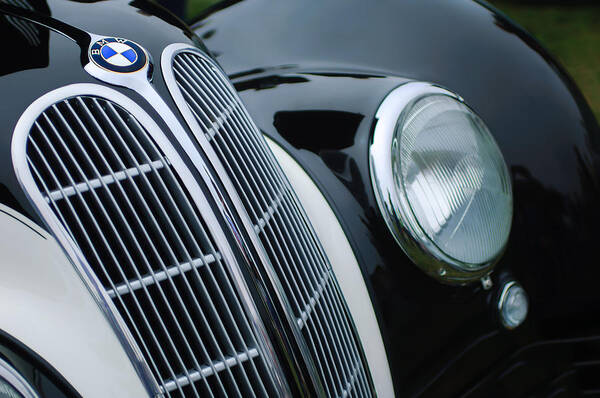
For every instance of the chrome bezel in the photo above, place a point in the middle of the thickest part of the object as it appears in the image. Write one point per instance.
(394, 206)
(502, 302)
(15, 380)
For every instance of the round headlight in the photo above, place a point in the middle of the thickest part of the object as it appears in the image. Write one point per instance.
(441, 182)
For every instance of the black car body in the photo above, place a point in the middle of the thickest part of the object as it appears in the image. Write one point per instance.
(312, 78)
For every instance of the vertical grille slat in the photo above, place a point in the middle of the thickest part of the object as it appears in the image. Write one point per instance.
(266, 216)
(317, 255)
(125, 225)
(120, 200)
(194, 299)
(143, 241)
(90, 246)
(284, 231)
(303, 240)
(165, 242)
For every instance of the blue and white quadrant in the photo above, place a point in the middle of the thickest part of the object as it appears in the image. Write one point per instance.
(119, 54)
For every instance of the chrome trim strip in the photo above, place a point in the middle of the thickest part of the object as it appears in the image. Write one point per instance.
(139, 82)
(16, 381)
(292, 326)
(402, 224)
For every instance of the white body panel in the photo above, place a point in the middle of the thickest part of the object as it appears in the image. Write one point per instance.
(345, 267)
(45, 305)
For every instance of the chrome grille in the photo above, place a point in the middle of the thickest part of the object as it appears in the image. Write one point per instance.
(118, 197)
(279, 221)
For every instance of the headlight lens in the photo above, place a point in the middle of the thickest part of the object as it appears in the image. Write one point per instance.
(453, 175)
(447, 195)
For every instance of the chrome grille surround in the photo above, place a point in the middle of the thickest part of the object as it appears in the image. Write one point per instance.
(222, 126)
(139, 229)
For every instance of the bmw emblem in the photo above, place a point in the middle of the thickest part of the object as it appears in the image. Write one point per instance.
(118, 55)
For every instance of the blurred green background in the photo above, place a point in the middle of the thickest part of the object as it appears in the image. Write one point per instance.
(570, 29)
(194, 7)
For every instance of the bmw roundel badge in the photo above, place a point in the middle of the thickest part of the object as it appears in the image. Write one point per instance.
(118, 55)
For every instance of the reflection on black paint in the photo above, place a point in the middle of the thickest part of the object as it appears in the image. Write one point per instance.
(208, 34)
(326, 133)
(151, 8)
(265, 83)
(256, 71)
(588, 117)
(8, 199)
(177, 7)
(25, 44)
(363, 75)
(551, 234)
(189, 10)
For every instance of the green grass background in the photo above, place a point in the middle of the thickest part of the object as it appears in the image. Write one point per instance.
(571, 33)
(194, 7)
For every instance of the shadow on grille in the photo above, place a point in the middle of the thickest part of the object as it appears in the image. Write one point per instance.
(117, 196)
(279, 221)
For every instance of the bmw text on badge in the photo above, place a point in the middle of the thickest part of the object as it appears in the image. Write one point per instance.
(118, 55)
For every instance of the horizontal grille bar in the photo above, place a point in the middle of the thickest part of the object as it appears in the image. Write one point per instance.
(160, 276)
(266, 216)
(312, 302)
(95, 183)
(214, 125)
(194, 375)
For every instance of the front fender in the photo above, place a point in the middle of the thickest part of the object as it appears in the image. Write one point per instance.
(45, 305)
(313, 77)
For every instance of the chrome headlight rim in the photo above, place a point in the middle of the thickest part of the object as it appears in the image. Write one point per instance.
(395, 208)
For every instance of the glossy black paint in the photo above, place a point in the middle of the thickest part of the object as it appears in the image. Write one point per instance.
(313, 76)
(42, 377)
